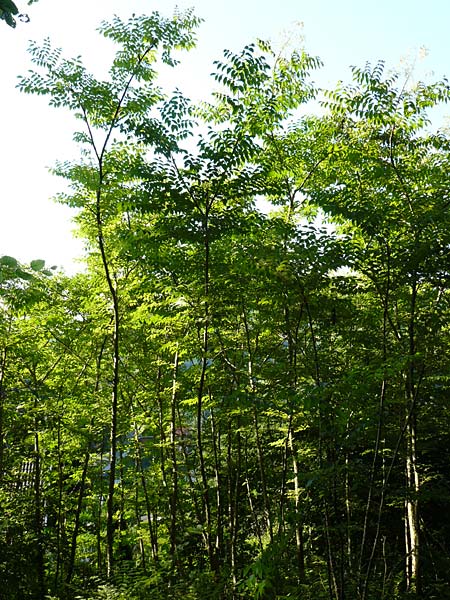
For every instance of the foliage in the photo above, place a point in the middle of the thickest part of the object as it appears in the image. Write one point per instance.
(232, 403)
(9, 10)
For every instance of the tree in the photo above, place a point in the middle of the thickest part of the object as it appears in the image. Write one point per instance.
(383, 176)
(186, 201)
(225, 385)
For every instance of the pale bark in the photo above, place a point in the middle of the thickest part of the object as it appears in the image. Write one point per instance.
(412, 528)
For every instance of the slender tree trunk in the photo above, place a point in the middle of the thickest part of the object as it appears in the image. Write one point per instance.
(284, 476)
(173, 451)
(162, 433)
(59, 525)
(292, 336)
(100, 511)
(110, 507)
(138, 516)
(216, 451)
(148, 510)
(259, 449)
(250, 500)
(193, 486)
(412, 527)
(206, 504)
(2, 400)
(38, 517)
(76, 527)
(348, 515)
(100, 153)
(112, 286)
(234, 484)
(299, 543)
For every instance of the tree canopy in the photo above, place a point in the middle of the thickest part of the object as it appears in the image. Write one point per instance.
(232, 402)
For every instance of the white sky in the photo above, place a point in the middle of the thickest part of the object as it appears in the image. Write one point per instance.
(34, 136)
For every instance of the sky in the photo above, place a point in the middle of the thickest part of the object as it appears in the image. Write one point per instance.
(34, 136)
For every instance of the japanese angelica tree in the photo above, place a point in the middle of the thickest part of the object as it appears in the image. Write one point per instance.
(149, 206)
(109, 111)
(382, 176)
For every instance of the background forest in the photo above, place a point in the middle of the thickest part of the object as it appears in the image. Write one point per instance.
(232, 401)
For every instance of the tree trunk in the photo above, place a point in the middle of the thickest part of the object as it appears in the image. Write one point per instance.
(299, 544)
(412, 529)
(110, 508)
(38, 524)
(76, 527)
(112, 286)
(216, 449)
(60, 517)
(259, 448)
(234, 483)
(412, 538)
(173, 451)
(2, 399)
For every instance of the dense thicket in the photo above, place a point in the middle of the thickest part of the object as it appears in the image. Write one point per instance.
(230, 402)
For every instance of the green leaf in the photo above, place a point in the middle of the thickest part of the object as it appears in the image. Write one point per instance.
(9, 261)
(37, 265)
(8, 6)
(24, 275)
